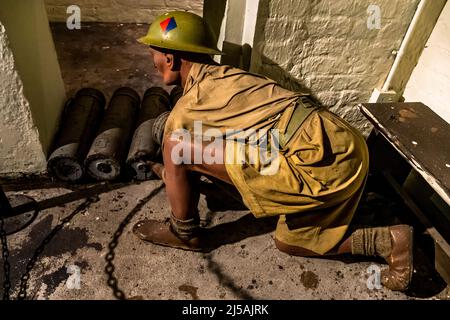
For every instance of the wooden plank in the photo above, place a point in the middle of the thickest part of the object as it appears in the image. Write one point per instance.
(442, 262)
(441, 246)
(420, 136)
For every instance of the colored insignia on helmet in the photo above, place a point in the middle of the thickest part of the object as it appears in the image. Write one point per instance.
(168, 24)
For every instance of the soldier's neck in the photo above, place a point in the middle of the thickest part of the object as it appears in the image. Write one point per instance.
(184, 71)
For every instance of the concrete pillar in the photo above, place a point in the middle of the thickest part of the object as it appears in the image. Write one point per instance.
(234, 22)
(407, 57)
(31, 87)
(430, 80)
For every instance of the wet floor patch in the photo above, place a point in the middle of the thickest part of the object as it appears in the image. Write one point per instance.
(65, 241)
(309, 279)
(54, 279)
(190, 290)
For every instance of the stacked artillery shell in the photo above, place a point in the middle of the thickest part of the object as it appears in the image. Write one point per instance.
(143, 147)
(107, 152)
(175, 95)
(79, 124)
(158, 127)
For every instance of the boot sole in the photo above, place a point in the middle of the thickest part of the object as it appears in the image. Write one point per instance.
(175, 246)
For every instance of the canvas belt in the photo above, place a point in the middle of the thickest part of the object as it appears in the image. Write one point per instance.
(302, 111)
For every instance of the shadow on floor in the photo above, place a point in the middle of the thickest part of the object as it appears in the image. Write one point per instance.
(112, 281)
(225, 280)
(245, 227)
(46, 241)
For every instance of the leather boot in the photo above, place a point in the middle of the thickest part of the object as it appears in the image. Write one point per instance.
(399, 274)
(170, 233)
(395, 245)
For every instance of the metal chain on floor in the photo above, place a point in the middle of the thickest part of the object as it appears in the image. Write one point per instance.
(109, 269)
(31, 263)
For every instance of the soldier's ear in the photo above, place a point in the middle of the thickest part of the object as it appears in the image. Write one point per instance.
(169, 60)
(173, 62)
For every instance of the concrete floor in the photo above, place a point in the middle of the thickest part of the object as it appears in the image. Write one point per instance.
(245, 266)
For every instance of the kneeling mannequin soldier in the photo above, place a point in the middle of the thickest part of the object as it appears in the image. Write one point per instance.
(322, 164)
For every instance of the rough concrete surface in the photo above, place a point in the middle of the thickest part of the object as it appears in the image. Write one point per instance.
(327, 47)
(18, 134)
(246, 266)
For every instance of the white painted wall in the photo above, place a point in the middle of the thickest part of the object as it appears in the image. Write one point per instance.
(237, 29)
(430, 81)
(326, 46)
(251, 16)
